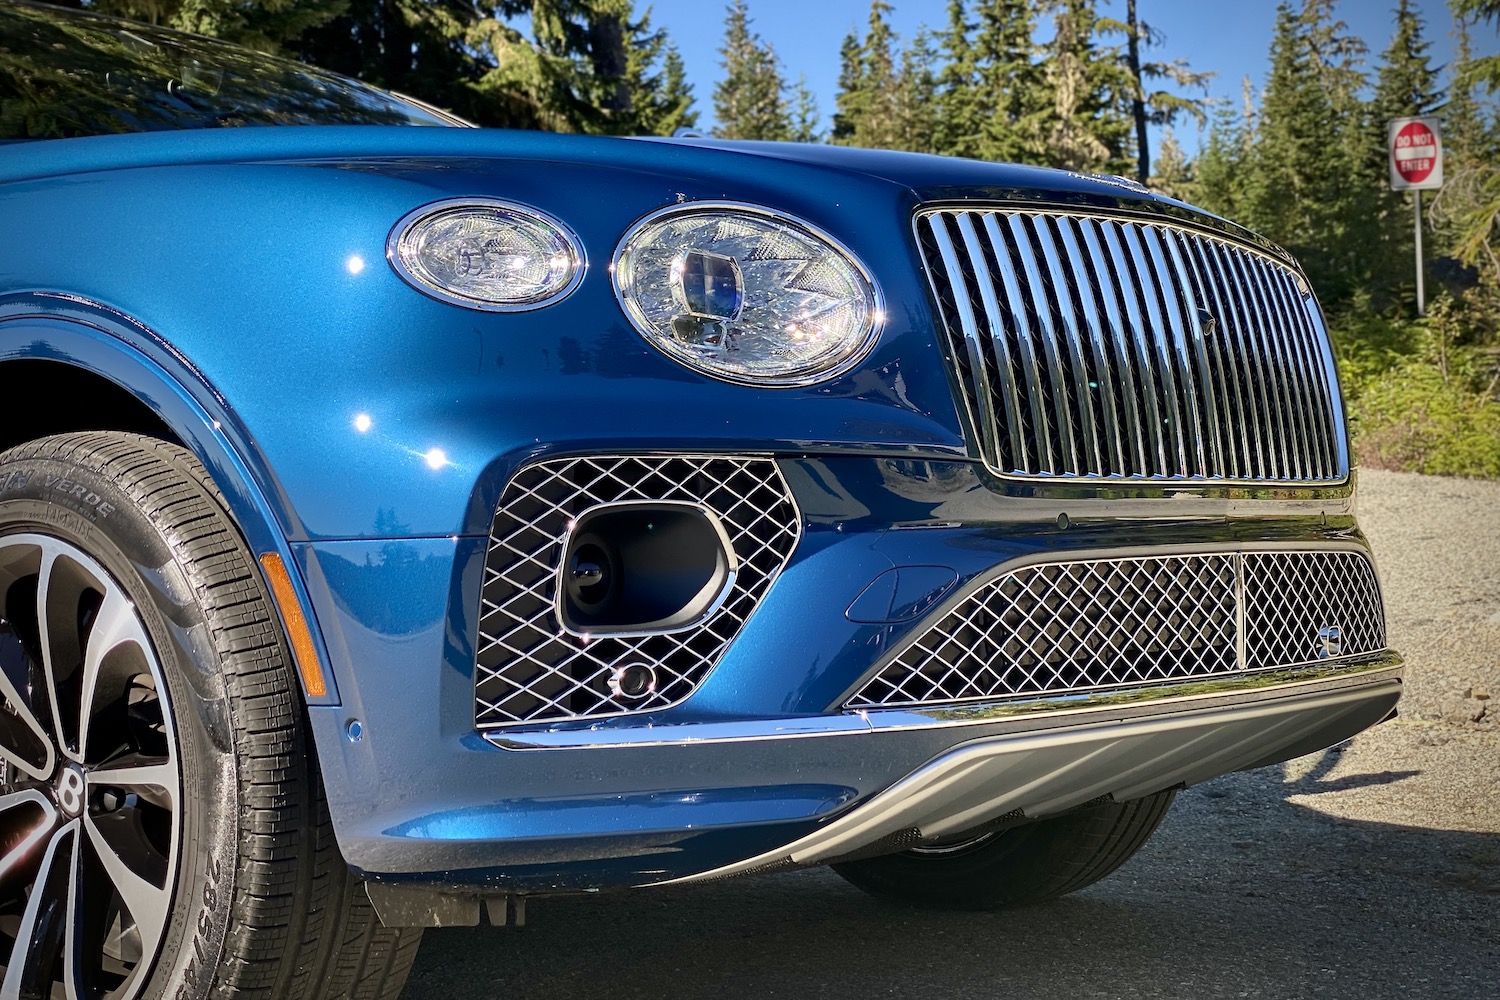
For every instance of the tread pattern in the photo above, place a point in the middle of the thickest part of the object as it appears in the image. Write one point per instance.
(301, 926)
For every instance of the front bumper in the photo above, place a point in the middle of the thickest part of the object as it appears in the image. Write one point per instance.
(732, 797)
(767, 750)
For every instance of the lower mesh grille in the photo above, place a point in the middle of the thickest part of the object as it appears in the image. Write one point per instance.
(1075, 627)
(528, 668)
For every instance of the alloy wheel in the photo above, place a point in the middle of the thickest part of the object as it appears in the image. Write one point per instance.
(90, 822)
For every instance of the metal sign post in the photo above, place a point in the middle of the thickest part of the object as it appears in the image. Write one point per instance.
(1415, 149)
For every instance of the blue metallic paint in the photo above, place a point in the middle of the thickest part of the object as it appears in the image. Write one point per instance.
(224, 268)
(99, 341)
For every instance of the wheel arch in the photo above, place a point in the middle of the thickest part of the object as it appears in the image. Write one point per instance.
(103, 370)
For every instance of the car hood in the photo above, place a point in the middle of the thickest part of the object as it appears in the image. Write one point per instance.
(923, 173)
(735, 165)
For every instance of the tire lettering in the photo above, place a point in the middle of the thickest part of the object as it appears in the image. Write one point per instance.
(204, 929)
(74, 495)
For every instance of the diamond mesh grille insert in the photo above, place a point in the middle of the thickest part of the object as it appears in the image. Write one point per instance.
(528, 669)
(1290, 597)
(1073, 627)
(1123, 349)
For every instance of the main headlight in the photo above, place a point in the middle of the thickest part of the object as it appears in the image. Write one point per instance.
(746, 295)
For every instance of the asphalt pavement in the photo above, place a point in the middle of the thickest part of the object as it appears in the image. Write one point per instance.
(1369, 871)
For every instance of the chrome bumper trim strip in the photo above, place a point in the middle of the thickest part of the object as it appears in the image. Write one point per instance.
(1023, 716)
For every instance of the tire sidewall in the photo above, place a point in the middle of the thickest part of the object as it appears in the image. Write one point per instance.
(51, 496)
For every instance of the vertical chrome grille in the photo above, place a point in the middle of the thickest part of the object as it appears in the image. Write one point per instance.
(1118, 349)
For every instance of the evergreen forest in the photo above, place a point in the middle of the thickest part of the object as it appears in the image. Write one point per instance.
(1077, 84)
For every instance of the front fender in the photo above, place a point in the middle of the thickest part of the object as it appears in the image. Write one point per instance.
(109, 345)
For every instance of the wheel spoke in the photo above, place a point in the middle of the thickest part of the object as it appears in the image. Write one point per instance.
(49, 665)
(23, 739)
(145, 900)
(115, 625)
(26, 847)
(88, 857)
(153, 779)
(40, 935)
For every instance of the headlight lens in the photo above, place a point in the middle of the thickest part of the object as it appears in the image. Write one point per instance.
(746, 295)
(492, 255)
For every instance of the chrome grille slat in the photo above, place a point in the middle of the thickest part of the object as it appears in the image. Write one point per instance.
(1062, 301)
(1294, 381)
(1111, 348)
(971, 344)
(1030, 370)
(1190, 287)
(528, 668)
(1170, 296)
(1125, 286)
(1242, 437)
(1055, 629)
(1305, 341)
(1112, 457)
(1283, 423)
(1056, 390)
(1119, 338)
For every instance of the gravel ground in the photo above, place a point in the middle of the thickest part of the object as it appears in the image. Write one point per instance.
(1437, 543)
(1370, 871)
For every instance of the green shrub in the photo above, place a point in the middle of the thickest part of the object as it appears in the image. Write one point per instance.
(1421, 394)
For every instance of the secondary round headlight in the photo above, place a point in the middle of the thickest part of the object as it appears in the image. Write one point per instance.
(486, 254)
(746, 295)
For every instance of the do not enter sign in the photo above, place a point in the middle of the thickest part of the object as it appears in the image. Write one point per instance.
(1416, 154)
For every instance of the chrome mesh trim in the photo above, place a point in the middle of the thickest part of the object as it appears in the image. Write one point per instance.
(527, 668)
(1288, 597)
(1118, 349)
(1064, 628)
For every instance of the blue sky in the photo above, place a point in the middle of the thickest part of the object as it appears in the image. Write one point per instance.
(1230, 37)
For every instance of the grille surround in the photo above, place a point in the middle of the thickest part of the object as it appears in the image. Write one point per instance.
(529, 668)
(1099, 347)
(967, 651)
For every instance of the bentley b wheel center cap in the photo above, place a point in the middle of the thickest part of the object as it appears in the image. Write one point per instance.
(70, 791)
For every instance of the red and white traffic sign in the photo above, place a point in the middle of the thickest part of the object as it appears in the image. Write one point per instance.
(1416, 154)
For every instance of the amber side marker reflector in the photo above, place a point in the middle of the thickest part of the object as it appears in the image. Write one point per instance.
(297, 632)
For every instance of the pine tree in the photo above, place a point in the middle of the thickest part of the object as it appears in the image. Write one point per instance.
(806, 118)
(1468, 207)
(1304, 184)
(1484, 69)
(1405, 86)
(1013, 103)
(750, 102)
(267, 25)
(959, 113)
(1157, 107)
(421, 49)
(1174, 175)
(917, 97)
(846, 101)
(671, 106)
(867, 99)
(1220, 168)
(1088, 128)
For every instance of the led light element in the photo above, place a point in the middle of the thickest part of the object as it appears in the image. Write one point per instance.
(746, 295)
(486, 254)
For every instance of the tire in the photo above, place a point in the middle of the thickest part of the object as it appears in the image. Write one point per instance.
(163, 829)
(1017, 866)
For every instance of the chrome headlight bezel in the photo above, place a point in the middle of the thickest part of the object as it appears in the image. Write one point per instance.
(850, 358)
(398, 252)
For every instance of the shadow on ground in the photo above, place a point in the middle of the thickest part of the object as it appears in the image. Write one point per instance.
(1242, 893)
